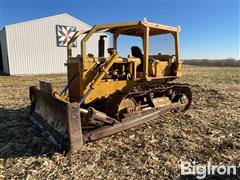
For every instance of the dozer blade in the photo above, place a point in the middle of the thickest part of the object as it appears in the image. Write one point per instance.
(60, 121)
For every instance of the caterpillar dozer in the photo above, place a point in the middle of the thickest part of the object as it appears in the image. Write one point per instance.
(110, 93)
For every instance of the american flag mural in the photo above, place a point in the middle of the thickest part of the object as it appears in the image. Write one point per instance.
(64, 34)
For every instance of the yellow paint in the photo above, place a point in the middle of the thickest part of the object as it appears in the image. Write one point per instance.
(106, 88)
(89, 74)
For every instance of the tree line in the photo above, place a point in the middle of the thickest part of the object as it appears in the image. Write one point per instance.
(213, 62)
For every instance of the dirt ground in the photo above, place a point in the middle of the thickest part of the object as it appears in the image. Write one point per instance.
(208, 131)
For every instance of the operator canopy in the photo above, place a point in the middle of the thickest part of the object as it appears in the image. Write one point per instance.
(135, 28)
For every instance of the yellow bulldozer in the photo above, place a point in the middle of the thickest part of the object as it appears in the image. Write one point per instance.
(108, 94)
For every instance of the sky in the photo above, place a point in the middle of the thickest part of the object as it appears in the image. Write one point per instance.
(210, 28)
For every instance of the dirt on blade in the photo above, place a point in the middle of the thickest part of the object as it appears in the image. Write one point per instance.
(208, 131)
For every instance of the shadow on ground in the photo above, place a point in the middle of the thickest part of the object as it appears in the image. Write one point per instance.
(19, 137)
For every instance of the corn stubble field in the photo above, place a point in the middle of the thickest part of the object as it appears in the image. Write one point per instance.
(208, 131)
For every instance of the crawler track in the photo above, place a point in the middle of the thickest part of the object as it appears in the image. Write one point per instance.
(143, 96)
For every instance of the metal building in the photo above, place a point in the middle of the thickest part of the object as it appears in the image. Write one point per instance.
(39, 46)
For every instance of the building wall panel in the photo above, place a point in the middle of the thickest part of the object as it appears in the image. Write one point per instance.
(3, 41)
(32, 46)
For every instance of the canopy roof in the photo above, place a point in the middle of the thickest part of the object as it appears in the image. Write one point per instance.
(136, 28)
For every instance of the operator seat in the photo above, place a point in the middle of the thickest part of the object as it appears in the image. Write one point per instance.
(137, 53)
